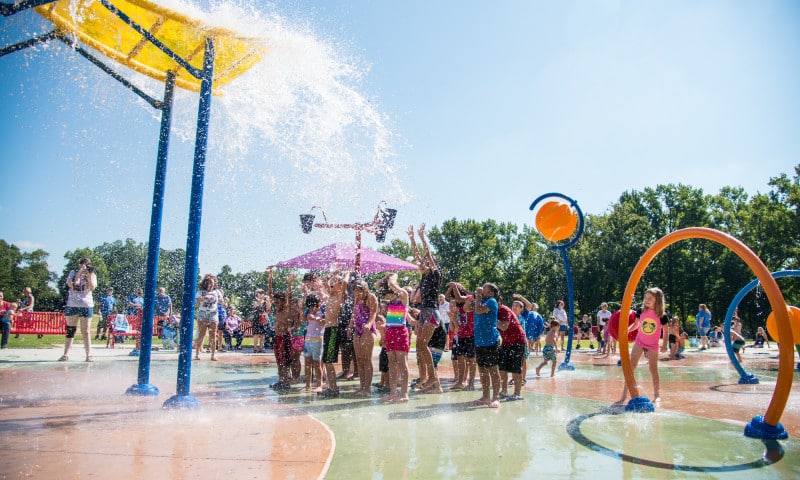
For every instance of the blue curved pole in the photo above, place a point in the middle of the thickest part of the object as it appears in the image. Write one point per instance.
(143, 386)
(746, 378)
(182, 398)
(568, 273)
(570, 314)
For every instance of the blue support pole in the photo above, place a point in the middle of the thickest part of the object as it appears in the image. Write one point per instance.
(182, 398)
(143, 387)
(570, 314)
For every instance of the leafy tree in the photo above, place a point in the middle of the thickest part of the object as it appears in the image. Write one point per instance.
(20, 269)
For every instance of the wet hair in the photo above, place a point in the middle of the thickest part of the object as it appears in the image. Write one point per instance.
(553, 323)
(658, 307)
(85, 261)
(451, 298)
(494, 291)
(277, 296)
(207, 283)
(309, 277)
(517, 302)
(312, 301)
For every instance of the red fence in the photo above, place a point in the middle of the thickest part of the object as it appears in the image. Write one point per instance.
(41, 323)
(54, 323)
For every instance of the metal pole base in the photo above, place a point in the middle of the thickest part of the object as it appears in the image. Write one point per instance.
(176, 402)
(142, 390)
(566, 366)
(134, 353)
(749, 379)
(640, 404)
(757, 428)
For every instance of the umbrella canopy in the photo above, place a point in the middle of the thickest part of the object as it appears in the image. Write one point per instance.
(342, 256)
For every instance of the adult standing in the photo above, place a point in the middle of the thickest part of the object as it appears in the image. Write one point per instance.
(563, 322)
(108, 305)
(703, 322)
(25, 302)
(603, 316)
(207, 301)
(428, 321)
(444, 310)
(80, 306)
(261, 308)
(6, 326)
(163, 303)
(134, 302)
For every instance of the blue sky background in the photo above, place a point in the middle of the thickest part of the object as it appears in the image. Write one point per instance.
(455, 109)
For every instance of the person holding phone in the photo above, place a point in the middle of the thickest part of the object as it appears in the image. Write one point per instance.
(80, 306)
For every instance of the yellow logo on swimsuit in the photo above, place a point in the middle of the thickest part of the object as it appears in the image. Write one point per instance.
(648, 326)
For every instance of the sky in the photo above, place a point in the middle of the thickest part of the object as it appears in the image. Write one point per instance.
(446, 109)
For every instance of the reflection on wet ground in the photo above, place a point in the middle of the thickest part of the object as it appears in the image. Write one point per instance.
(70, 420)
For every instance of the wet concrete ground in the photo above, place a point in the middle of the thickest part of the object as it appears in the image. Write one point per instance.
(72, 420)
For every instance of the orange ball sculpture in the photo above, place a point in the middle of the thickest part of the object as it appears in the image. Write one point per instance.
(794, 316)
(556, 221)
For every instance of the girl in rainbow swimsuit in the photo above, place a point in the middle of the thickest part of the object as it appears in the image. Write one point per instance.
(396, 340)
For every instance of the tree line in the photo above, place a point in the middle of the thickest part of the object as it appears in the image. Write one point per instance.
(519, 260)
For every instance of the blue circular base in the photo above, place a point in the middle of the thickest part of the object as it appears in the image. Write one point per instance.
(566, 366)
(181, 402)
(758, 429)
(640, 404)
(619, 362)
(748, 380)
(134, 353)
(798, 367)
(142, 390)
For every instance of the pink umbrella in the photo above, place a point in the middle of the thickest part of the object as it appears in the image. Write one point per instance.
(342, 256)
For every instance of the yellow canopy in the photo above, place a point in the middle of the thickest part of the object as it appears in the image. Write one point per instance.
(96, 26)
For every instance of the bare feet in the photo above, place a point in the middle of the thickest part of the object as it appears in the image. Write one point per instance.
(457, 386)
(537, 371)
(432, 388)
(213, 358)
(481, 401)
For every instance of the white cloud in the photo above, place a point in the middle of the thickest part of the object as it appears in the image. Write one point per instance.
(28, 245)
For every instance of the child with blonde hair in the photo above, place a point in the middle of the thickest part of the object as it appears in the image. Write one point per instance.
(650, 321)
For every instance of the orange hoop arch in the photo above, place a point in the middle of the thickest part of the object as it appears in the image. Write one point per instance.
(783, 384)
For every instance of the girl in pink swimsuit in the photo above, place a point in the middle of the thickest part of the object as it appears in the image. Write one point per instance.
(650, 321)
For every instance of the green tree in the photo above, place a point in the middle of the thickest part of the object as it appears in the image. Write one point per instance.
(27, 269)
